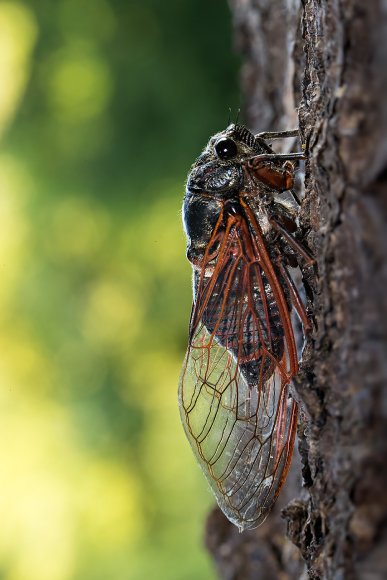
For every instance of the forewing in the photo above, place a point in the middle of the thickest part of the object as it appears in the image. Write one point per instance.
(234, 386)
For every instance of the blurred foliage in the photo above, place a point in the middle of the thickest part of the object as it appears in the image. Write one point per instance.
(103, 107)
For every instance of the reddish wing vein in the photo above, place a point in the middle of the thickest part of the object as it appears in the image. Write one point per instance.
(234, 386)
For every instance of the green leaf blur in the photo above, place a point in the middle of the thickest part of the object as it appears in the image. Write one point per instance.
(103, 107)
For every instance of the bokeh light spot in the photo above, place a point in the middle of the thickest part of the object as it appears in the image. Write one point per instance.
(80, 85)
(18, 33)
(113, 314)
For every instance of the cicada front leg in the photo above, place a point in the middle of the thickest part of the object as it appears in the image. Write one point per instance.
(272, 135)
(279, 178)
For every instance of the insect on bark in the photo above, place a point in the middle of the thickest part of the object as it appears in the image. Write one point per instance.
(243, 349)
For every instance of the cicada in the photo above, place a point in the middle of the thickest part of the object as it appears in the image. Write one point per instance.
(240, 216)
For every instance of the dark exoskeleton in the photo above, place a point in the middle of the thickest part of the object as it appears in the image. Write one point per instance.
(237, 165)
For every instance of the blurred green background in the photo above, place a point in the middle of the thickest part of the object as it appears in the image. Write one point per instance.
(103, 107)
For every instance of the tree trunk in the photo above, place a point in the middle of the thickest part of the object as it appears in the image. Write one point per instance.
(328, 59)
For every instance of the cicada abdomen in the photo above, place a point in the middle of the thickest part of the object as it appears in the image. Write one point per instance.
(234, 388)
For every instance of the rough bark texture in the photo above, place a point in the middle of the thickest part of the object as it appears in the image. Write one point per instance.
(328, 59)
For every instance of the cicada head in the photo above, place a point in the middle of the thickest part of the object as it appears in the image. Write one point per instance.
(216, 178)
(219, 169)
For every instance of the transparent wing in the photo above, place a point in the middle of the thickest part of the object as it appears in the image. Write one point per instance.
(234, 387)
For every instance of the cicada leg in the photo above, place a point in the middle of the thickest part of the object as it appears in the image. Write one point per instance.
(279, 178)
(293, 243)
(271, 135)
(278, 157)
(295, 296)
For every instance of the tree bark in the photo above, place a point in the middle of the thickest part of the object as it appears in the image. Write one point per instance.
(328, 60)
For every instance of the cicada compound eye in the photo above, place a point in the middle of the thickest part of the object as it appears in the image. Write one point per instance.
(226, 148)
